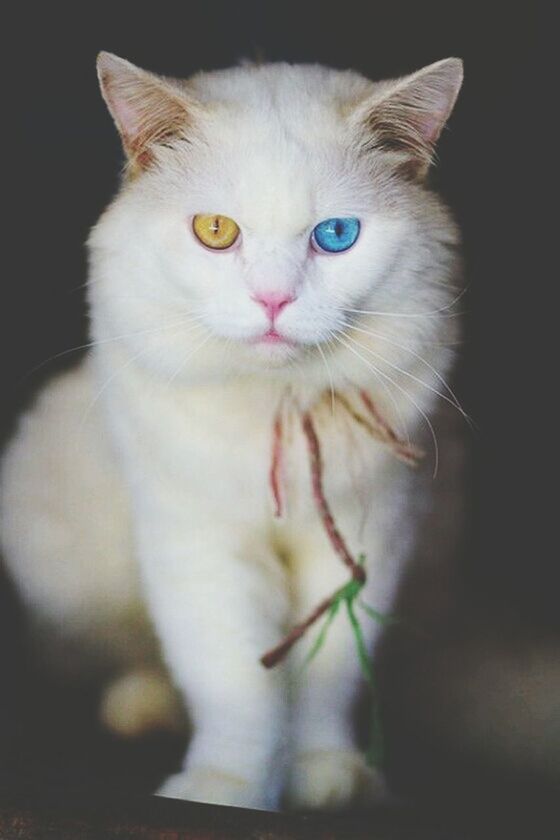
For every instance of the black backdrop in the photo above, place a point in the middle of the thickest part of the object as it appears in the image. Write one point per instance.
(61, 168)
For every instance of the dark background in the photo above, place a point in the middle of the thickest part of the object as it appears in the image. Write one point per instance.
(61, 168)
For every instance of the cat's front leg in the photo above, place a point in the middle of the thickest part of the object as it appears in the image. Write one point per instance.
(216, 608)
(327, 768)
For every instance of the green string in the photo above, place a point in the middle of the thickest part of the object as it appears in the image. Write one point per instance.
(348, 595)
(381, 618)
(320, 640)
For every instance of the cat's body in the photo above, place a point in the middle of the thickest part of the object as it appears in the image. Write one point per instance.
(144, 474)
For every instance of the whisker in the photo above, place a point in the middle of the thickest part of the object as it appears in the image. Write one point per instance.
(411, 314)
(329, 374)
(402, 426)
(454, 401)
(374, 369)
(106, 384)
(187, 357)
(116, 373)
(88, 345)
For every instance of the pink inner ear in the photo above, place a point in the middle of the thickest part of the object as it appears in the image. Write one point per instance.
(430, 125)
(144, 111)
(424, 101)
(127, 117)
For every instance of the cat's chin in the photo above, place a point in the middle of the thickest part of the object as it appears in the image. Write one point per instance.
(273, 353)
(271, 349)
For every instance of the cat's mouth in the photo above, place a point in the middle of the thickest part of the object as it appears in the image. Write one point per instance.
(272, 336)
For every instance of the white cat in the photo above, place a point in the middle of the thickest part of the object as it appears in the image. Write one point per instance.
(274, 250)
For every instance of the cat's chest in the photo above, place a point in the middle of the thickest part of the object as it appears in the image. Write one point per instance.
(223, 445)
(205, 442)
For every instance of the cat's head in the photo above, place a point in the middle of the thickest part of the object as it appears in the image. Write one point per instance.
(265, 210)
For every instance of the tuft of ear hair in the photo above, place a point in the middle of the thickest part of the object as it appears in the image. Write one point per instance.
(148, 110)
(407, 117)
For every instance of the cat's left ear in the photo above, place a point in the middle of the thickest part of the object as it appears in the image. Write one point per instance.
(147, 109)
(406, 117)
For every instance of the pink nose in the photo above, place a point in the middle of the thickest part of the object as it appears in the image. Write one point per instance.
(273, 302)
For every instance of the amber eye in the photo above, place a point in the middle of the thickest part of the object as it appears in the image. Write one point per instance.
(214, 231)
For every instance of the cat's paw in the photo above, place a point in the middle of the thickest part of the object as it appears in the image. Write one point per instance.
(332, 780)
(139, 702)
(208, 784)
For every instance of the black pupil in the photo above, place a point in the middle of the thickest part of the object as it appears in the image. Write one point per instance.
(339, 228)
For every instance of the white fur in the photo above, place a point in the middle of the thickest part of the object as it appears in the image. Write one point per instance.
(150, 460)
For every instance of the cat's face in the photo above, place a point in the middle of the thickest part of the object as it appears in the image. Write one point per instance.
(263, 221)
(239, 236)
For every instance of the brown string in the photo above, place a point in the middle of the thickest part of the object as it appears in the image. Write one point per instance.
(275, 465)
(381, 431)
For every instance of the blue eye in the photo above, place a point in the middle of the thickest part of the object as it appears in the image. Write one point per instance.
(335, 235)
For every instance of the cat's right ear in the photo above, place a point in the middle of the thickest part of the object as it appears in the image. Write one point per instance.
(405, 117)
(147, 109)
